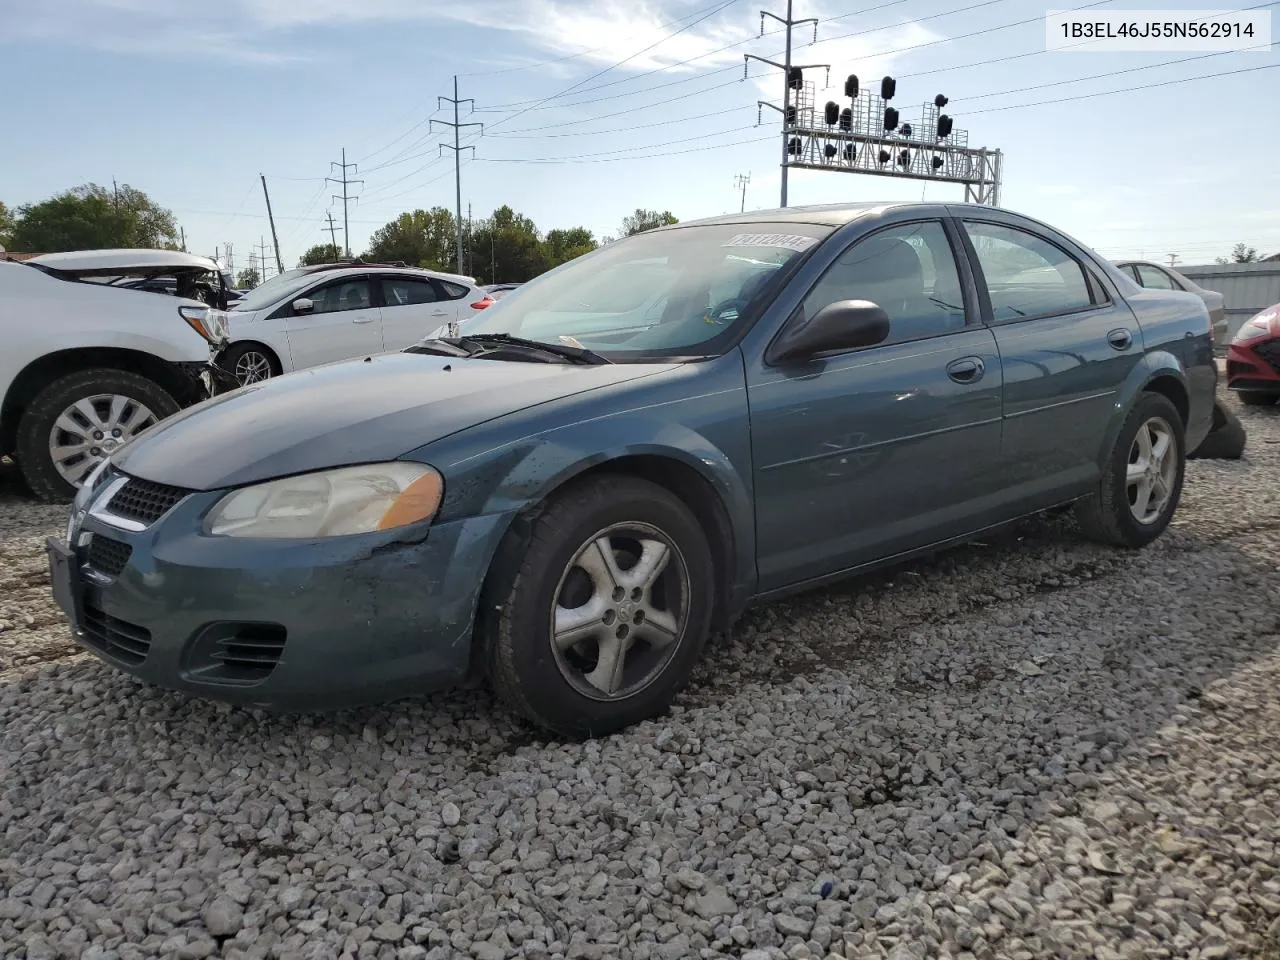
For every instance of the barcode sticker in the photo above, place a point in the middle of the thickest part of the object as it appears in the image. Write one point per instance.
(786, 241)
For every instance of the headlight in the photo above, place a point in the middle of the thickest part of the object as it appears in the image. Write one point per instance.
(331, 503)
(1256, 328)
(210, 324)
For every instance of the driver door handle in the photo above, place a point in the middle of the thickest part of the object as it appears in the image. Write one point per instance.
(1120, 338)
(966, 369)
(361, 319)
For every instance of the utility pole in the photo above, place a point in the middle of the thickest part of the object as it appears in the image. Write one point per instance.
(262, 258)
(333, 236)
(115, 206)
(786, 67)
(183, 234)
(346, 231)
(457, 149)
(741, 180)
(1173, 258)
(272, 220)
(471, 254)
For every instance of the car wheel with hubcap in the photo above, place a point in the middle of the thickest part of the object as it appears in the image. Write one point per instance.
(78, 421)
(606, 611)
(1141, 482)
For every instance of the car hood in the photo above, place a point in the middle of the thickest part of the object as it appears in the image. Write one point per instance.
(356, 411)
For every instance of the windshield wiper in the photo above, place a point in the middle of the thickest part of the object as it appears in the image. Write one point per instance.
(439, 347)
(573, 354)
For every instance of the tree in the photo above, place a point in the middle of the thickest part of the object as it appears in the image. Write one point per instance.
(320, 253)
(1240, 253)
(561, 246)
(248, 278)
(643, 220)
(423, 238)
(90, 217)
(506, 248)
(6, 226)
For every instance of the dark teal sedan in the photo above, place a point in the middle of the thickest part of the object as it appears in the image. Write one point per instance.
(613, 461)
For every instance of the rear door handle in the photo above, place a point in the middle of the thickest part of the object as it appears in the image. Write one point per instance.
(1120, 338)
(966, 369)
(362, 319)
(439, 313)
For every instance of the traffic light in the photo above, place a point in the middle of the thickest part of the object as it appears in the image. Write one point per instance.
(851, 87)
(940, 101)
(846, 120)
(795, 79)
(791, 116)
(832, 113)
(888, 86)
(904, 159)
(849, 152)
(944, 127)
(937, 163)
(883, 157)
(830, 151)
(906, 129)
(890, 118)
(793, 146)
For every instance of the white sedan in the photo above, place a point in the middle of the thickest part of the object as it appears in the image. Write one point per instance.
(311, 316)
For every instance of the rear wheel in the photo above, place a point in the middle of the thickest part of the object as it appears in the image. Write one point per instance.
(603, 617)
(1141, 482)
(1256, 398)
(77, 421)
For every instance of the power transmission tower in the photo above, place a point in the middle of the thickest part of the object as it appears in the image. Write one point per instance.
(457, 149)
(333, 233)
(261, 247)
(790, 76)
(741, 180)
(231, 260)
(346, 182)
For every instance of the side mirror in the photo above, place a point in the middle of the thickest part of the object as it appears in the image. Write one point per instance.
(843, 325)
(303, 305)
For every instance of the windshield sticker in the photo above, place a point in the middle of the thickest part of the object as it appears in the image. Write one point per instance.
(569, 341)
(786, 241)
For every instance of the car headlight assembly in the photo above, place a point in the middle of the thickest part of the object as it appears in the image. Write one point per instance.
(1257, 327)
(330, 503)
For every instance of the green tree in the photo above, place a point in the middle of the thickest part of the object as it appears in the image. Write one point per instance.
(423, 238)
(643, 220)
(248, 278)
(6, 226)
(561, 246)
(506, 248)
(320, 253)
(90, 217)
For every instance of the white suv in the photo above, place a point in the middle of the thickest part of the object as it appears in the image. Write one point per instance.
(316, 315)
(85, 366)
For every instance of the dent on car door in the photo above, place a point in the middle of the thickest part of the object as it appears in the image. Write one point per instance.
(343, 322)
(1067, 342)
(865, 454)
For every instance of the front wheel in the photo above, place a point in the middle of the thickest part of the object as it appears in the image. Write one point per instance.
(601, 620)
(251, 363)
(1141, 481)
(77, 421)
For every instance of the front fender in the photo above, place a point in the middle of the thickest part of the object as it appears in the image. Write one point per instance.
(509, 466)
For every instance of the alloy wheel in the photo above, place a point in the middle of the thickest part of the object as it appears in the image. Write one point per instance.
(1152, 470)
(252, 367)
(620, 611)
(91, 429)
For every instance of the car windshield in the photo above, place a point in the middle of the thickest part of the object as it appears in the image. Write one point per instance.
(273, 290)
(671, 293)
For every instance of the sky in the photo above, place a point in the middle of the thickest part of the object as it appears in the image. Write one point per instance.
(592, 108)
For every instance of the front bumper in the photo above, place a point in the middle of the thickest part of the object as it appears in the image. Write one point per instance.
(1254, 366)
(220, 379)
(285, 625)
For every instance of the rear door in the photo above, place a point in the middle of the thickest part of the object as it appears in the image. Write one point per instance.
(343, 322)
(1067, 342)
(412, 307)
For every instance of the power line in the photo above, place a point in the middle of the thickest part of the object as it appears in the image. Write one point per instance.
(651, 156)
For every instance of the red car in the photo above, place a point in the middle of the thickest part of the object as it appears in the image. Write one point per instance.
(1253, 359)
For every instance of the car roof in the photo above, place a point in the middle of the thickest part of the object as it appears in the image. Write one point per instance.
(361, 267)
(833, 214)
(106, 261)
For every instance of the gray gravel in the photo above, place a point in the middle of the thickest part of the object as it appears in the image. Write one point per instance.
(1028, 748)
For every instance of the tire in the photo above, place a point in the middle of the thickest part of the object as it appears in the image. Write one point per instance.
(1107, 516)
(555, 689)
(1226, 441)
(35, 430)
(254, 357)
(1256, 398)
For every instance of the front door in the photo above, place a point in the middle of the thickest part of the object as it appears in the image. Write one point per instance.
(411, 309)
(1067, 342)
(343, 322)
(870, 453)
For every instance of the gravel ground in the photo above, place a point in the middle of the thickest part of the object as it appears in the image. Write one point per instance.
(1030, 747)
